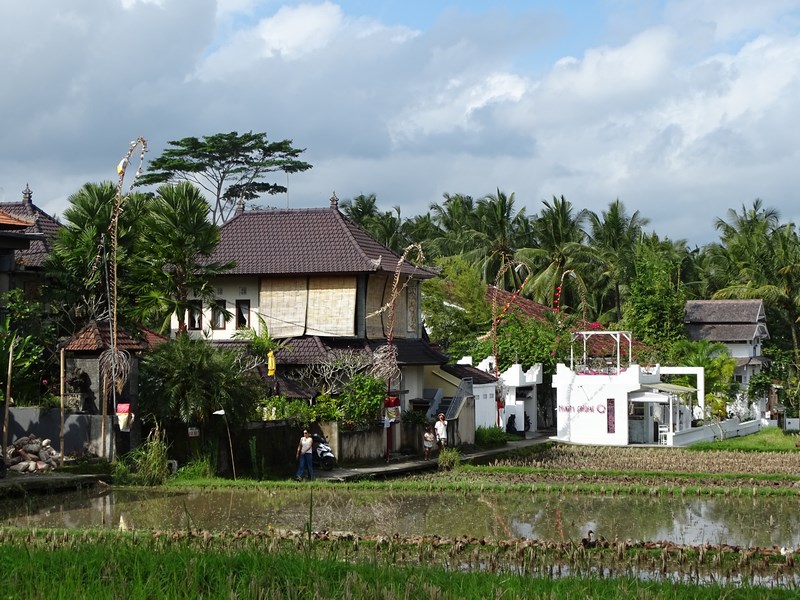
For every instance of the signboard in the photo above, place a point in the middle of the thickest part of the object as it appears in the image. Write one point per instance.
(194, 432)
(610, 416)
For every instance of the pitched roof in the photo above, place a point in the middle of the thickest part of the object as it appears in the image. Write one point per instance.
(468, 371)
(41, 223)
(96, 337)
(725, 320)
(724, 311)
(9, 222)
(312, 349)
(515, 303)
(308, 240)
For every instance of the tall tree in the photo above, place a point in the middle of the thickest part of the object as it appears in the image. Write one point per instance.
(456, 218)
(231, 167)
(76, 266)
(559, 237)
(655, 308)
(498, 233)
(612, 238)
(177, 239)
(361, 210)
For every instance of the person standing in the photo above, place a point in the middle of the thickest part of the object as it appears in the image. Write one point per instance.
(441, 431)
(304, 455)
(427, 442)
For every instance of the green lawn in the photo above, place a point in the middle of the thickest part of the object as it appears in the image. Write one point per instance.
(769, 439)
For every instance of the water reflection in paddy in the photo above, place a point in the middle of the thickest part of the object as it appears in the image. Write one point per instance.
(754, 522)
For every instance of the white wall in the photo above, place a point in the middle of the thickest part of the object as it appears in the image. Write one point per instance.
(485, 405)
(583, 408)
(229, 290)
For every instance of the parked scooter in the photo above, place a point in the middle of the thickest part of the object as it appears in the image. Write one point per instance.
(323, 456)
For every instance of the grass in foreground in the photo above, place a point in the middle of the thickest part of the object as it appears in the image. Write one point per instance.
(98, 565)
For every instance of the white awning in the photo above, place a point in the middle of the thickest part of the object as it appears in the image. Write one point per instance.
(672, 388)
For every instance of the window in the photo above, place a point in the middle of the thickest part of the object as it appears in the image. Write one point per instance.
(218, 315)
(242, 314)
(194, 315)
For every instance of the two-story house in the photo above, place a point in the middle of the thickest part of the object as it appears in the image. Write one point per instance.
(319, 283)
(24, 270)
(739, 324)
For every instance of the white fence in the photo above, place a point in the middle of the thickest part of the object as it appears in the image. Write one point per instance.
(715, 431)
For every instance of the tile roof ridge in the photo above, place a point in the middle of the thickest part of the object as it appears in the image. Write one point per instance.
(347, 225)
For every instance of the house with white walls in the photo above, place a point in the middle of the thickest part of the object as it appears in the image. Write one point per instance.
(610, 400)
(518, 395)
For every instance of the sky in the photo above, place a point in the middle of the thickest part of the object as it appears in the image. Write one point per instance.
(681, 109)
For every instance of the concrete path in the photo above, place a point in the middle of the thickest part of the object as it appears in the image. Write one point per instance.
(404, 465)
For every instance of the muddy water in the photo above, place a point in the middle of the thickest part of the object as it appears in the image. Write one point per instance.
(753, 522)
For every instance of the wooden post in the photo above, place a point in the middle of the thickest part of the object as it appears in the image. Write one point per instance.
(61, 434)
(8, 393)
(104, 400)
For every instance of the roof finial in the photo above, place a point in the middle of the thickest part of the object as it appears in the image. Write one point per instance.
(334, 201)
(239, 206)
(27, 196)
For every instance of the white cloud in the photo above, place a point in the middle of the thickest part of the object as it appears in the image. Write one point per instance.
(698, 103)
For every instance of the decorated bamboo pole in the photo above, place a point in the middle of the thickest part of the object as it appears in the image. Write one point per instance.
(61, 389)
(8, 393)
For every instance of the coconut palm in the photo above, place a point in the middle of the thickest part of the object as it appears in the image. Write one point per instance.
(456, 218)
(176, 241)
(612, 239)
(497, 235)
(77, 264)
(559, 238)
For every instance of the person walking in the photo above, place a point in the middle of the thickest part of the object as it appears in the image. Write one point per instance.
(441, 431)
(427, 442)
(304, 455)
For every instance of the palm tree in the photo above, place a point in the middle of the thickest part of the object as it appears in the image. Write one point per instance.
(498, 234)
(361, 210)
(177, 239)
(456, 218)
(612, 239)
(76, 266)
(559, 238)
(770, 270)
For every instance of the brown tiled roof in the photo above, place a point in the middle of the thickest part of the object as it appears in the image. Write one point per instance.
(152, 338)
(517, 304)
(96, 337)
(42, 223)
(312, 349)
(468, 371)
(309, 240)
(9, 222)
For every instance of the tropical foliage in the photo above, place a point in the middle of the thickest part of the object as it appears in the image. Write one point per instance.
(229, 166)
(187, 380)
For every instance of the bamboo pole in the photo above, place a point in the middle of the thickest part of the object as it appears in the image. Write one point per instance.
(61, 433)
(8, 393)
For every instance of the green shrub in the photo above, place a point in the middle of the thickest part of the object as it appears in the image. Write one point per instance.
(449, 459)
(415, 417)
(200, 467)
(145, 465)
(490, 437)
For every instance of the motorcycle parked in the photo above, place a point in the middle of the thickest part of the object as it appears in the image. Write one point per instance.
(322, 456)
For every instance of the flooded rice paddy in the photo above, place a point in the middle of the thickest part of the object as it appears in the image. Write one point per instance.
(749, 522)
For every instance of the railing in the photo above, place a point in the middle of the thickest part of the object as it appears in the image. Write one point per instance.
(462, 393)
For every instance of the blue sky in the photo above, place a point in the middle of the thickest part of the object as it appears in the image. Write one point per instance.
(682, 109)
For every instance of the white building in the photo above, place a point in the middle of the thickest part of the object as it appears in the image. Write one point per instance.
(608, 400)
(519, 397)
